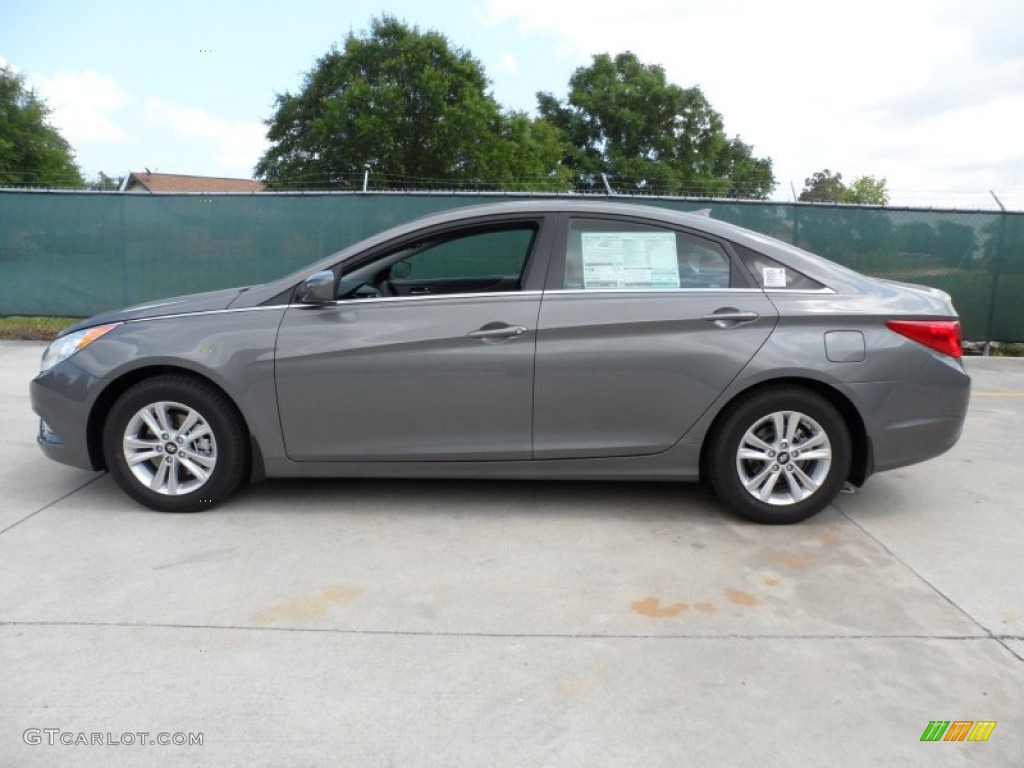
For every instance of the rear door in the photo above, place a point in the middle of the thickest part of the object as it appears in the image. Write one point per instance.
(643, 325)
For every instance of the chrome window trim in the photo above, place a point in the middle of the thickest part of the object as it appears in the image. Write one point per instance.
(648, 291)
(814, 291)
(419, 297)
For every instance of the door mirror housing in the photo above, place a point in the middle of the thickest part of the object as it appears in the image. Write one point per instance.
(318, 288)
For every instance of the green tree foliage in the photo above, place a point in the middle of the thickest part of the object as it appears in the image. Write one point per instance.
(827, 187)
(623, 118)
(413, 108)
(823, 187)
(32, 152)
(104, 183)
(866, 190)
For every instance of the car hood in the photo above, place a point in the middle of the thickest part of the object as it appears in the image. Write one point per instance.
(176, 305)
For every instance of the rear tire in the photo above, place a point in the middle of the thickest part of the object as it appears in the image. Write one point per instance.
(176, 444)
(779, 455)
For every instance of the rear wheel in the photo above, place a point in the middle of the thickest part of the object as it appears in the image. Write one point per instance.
(779, 455)
(176, 444)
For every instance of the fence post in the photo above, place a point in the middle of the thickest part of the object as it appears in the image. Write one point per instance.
(996, 264)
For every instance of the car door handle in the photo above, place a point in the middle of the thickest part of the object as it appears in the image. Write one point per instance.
(729, 317)
(505, 331)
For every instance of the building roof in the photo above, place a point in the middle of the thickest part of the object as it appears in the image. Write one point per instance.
(174, 182)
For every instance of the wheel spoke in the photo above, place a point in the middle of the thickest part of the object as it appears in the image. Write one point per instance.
(150, 421)
(161, 417)
(206, 461)
(141, 456)
(821, 453)
(751, 455)
(792, 426)
(188, 423)
(197, 471)
(805, 480)
(140, 443)
(766, 490)
(751, 439)
(200, 431)
(779, 424)
(794, 486)
(159, 477)
(172, 477)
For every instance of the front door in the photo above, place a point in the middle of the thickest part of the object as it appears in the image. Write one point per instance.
(427, 355)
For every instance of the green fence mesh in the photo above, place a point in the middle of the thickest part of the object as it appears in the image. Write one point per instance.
(77, 254)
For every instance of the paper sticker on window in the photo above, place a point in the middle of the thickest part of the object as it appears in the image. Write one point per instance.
(629, 260)
(774, 277)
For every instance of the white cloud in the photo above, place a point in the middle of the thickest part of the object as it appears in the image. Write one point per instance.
(508, 63)
(237, 144)
(84, 105)
(897, 89)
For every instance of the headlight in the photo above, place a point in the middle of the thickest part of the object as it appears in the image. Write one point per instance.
(64, 347)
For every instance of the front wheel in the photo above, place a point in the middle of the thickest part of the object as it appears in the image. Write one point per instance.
(175, 444)
(779, 455)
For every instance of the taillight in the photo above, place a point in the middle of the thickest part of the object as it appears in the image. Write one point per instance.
(941, 335)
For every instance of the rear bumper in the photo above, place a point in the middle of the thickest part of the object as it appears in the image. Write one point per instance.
(913, 421)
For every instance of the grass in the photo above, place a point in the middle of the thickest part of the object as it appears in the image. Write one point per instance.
(33, 328)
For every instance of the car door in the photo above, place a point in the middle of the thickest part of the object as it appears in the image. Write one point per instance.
(642, 327)
(426, 355)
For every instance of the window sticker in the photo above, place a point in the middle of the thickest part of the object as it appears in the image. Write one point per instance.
(774, 277)
(630, 260)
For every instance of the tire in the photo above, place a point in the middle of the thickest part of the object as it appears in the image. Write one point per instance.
(779, 455)
(168, 471)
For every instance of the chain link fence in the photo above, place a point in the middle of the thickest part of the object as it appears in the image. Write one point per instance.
(78, 253)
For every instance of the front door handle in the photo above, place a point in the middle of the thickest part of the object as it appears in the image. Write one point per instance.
(499, 332)
(730, 317)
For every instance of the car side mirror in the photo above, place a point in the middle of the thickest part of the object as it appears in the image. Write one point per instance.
(316, 289)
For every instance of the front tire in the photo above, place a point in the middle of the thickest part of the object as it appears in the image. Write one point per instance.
(176, 444)
(779, 455)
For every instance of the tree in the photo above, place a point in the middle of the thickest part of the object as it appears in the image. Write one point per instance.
(623, 118)
(409, 106)
(827, 187)
(823, 187)
(104, 183)
(866, 190)
(32, 152)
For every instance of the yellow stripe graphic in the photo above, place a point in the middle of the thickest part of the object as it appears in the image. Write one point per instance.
(982, 730)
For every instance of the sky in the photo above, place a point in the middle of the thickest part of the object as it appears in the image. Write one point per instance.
(927, 94)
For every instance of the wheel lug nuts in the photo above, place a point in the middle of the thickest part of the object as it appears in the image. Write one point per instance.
(789, 467)
(164, 436)
(771, 454)
(775, 467)
(180, 440)
(169, 459)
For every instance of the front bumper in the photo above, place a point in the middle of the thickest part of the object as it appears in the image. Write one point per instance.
(63, 398)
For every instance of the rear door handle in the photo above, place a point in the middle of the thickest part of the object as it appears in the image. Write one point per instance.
(730, 317)
(504, 332)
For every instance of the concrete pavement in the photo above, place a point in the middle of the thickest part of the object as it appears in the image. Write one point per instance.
(385, 623)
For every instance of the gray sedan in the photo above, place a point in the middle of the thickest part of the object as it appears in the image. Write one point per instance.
(551, 339)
